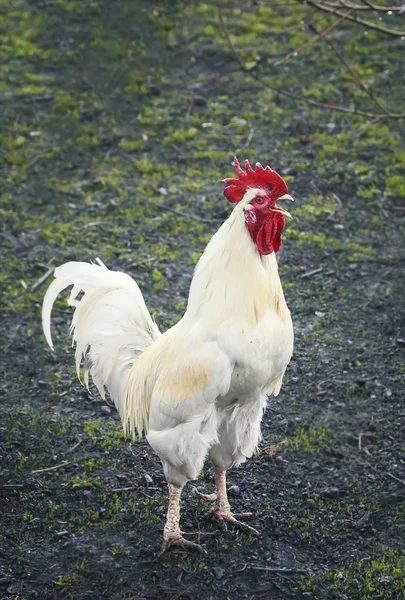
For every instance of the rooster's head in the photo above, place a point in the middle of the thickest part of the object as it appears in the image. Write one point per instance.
(259, 190)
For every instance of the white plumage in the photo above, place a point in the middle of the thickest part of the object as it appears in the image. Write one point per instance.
(111, 325)
(200, 388)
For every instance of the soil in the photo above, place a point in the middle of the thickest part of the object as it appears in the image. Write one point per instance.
(118, 122)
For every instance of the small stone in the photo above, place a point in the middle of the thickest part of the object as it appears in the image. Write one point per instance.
(218, 572)
(331, 492)
(199, 100)
(234, 490)
(306, 139)
(163, 191)
(239, 121)
(288, 171)
(106, 409)
(148, 478)
(311, 502)
(61, 534)
(400, 342)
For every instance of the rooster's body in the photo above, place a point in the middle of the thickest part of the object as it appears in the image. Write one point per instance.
(200, 388)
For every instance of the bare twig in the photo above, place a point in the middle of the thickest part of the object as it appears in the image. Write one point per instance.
(249, 138)
(280, 569)
(300, 97)
(362, 520)
(43, 98)
(131, 489)
(92, 224)
(73, 448)
(353, 73)
(11, 485)
(320, 36)
(360, 443)
(36, 158)
(310, 273)
(65, 464)
(335, 11)
(369, 7)
(48, 264)
(396, 478)
(42, 279)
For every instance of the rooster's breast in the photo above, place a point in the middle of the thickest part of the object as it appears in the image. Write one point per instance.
(260, 355)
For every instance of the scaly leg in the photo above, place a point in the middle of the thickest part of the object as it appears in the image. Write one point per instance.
(172, 536)
(222, 511)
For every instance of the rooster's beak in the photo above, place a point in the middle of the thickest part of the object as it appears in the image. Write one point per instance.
(281, 210)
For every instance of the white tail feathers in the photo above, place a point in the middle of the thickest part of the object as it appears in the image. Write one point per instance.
(111, 327)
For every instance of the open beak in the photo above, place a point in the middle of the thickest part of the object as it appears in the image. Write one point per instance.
(283, 212)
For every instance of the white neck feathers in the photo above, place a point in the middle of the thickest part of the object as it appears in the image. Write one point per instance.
(232, 281)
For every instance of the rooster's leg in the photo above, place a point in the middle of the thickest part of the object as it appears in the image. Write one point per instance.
(172, 536)
(222, 510)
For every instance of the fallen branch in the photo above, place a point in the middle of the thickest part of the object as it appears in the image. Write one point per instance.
(335, 11)
(65, 464)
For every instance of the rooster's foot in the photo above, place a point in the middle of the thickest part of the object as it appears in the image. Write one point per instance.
(179, 541)
(227, 518)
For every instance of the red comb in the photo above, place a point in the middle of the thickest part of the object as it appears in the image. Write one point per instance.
(259, 177)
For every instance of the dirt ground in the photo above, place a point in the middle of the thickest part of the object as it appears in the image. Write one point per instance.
(118, 122)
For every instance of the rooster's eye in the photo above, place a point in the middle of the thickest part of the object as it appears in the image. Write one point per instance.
(259, 200)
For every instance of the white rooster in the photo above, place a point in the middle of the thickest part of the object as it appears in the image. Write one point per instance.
(200, 388)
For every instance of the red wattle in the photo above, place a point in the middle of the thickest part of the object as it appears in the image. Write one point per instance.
(266, 233)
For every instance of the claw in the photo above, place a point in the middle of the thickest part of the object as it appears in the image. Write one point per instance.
(209, 497)
(222, 526)
(244, 527)
(180, 541)
(225, 519)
